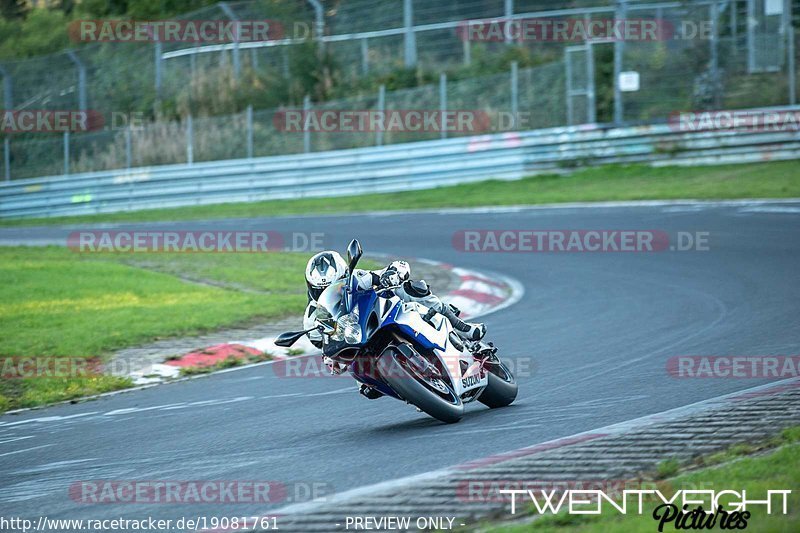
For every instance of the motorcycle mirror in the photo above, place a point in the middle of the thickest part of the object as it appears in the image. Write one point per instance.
(353, 253)
(289, 338)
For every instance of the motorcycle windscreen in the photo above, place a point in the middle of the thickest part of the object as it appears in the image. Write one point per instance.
(330, 301)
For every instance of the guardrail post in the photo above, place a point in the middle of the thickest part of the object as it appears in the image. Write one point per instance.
(250, 132)
(515, 94)
(508, 12)
(128, 148)
(66, 153)
(7, 158)
(306, 131)
(442, 104)
(189, 140)
(381, 109)
(410, 38)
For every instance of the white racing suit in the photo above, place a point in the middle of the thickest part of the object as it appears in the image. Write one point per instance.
(399, 273)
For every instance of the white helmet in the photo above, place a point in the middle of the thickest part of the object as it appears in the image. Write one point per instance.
(323, 269)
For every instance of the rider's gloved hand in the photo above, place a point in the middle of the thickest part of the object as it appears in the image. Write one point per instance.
(390, 278)
(335, 368)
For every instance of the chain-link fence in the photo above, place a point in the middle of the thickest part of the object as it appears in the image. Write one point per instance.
(707, 54)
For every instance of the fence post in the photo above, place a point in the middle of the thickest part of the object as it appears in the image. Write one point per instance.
(364, 56)
(790, 49)
(442, 104)
(751, 36)
(7, 158)
(715, 82)
(410, 38)
(306, 131)
(568, 68)
(250, 132)
(8, 96)
(467, 47)
(621, 8)
(237, 65)
(189, 140)
(81, 79)
(508, 12)
(254, 59)
(128, 148)
(515, 95)
(157, 62)
(66, 153)
(319, 22)
(591, 95)
(381, 109)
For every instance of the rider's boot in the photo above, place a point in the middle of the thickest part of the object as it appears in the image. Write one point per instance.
(466, 330)
(369, 392)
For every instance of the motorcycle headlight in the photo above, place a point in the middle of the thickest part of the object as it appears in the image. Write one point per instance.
(348, 328)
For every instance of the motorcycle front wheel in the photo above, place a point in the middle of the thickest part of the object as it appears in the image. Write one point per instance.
(502, 388)
(431, 395)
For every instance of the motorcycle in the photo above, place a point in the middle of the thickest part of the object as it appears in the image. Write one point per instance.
(405, 350)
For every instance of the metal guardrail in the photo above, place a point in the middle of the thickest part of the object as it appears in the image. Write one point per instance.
(399, 167)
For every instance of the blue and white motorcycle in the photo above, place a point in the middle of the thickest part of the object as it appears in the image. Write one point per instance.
(403, 350)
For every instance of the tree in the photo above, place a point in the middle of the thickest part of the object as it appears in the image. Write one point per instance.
(13, 9)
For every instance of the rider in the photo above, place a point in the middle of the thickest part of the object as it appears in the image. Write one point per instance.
(326, 267)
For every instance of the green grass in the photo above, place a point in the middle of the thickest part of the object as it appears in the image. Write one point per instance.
(614, 182)
(667, 468)
(779, 468)
(57, 302)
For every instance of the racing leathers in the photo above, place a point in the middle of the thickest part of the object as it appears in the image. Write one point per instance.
(398, 274)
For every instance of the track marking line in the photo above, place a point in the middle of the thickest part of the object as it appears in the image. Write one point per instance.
(26, 450)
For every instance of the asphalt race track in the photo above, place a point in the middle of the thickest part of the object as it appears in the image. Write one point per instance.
(600, 328)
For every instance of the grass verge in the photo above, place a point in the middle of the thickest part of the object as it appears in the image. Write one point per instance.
(757, 467)
(62, 305)
(613, 182)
